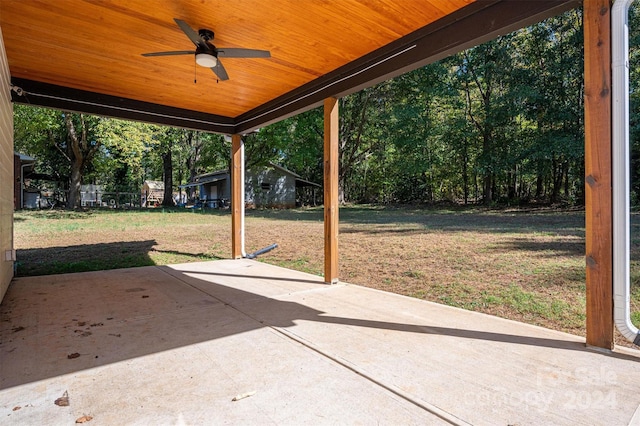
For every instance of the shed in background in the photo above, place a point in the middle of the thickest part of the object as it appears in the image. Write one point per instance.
(152, 193)
(269, 186)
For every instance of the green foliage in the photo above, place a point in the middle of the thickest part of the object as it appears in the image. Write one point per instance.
(115, 153)
(634, 98)
(125, 145)
(37, 131)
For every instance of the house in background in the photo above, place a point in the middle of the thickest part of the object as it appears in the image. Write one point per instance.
(33, 190)
(271, 186)
(152, 193)
(274, 187)
(22, 166)
(211, 189)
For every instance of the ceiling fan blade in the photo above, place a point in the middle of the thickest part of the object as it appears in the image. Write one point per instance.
(173, 53)
(190, 32)
(243, 53)
(220, 71)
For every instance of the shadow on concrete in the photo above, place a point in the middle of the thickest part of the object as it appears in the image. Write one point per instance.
(55, 325)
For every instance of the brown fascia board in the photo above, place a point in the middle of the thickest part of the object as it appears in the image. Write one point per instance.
(470, 26)
(37, 93)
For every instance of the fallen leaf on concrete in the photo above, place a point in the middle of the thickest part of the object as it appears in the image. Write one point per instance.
(63, 401)
(243, 396)
(73, 355)
(84, 419)
(17, 408)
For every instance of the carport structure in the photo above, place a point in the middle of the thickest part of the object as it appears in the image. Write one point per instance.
(85, 56)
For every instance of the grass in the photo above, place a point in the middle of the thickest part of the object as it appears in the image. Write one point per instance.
(526, 266)
(57, 242)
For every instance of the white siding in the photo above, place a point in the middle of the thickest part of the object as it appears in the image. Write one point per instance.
(270, 188)
(6, 172)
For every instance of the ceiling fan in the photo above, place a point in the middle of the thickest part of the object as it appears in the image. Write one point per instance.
(207, 55)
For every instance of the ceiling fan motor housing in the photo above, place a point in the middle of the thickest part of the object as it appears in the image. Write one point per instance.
(205, 34)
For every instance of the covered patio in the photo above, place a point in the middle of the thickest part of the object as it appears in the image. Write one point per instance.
(176, 344)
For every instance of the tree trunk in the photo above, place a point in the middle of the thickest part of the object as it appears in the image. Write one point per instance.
(476, 190)
(341, 196)
(487, 185)
(73, 202)
(465, 174)
(580, 196)
(487, 179)
(192, 161)
(556, 180)
(540, 181)
(191, 189)
(179, 183)
(539, 186)
(512, 179)
(167, 168)
(80, 152)
(565, 170)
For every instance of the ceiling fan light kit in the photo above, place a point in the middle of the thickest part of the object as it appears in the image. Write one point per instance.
(206, 60)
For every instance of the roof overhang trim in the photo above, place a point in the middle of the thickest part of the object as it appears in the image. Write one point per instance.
(68, 99)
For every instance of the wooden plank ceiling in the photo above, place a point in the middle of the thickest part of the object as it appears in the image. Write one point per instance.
(86, 54)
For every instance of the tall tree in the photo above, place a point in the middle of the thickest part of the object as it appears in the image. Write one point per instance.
(551, 52)
(80, 148)
(414, 126)
(66, 141)
(36, 132)
(125, 143)
(166, 139)
(360, 135)
(484, 72)
(195, 152)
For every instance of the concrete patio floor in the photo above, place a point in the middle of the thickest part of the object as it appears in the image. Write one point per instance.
(175, 345)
